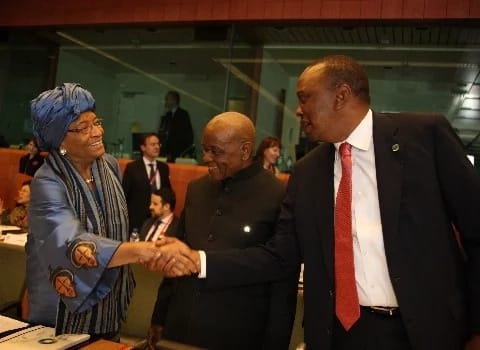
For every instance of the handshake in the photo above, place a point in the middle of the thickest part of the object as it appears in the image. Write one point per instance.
(170, 256)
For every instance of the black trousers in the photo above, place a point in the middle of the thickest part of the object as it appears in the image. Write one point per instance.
(372, 332)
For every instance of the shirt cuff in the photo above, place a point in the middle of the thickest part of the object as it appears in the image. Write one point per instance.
(203, 264)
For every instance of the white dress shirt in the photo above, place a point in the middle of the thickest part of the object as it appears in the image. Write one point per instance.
(147, 168)
(371, 271)
(155, 232)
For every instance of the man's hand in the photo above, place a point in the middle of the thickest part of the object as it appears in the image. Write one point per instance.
(134, 252)
(176, 258)
(145, 251)
(154, 335)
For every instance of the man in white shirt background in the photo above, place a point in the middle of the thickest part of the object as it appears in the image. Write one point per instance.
(141, 177)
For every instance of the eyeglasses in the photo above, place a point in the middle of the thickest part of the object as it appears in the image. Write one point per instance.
(88, 129)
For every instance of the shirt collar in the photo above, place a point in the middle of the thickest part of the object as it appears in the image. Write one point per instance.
(165, 219)
(148, 162)
(361, 135)
(249, 171)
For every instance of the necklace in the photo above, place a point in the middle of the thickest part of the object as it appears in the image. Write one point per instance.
(90, 180)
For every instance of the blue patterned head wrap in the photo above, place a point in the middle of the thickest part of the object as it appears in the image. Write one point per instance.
(54, 110)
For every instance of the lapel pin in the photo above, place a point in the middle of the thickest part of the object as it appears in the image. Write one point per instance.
(395, 147)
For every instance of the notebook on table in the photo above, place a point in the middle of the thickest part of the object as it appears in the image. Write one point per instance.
(4, 229)
(41, 338)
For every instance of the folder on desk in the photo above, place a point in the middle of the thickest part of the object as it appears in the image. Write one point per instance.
(4, 229)
(41, 338)
(15, 231)
(8, 324)
(15, 238)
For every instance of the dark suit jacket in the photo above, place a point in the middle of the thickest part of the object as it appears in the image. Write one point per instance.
(171, 229)
(423, 188)
(30, 166)
(137, 190)
(237, 213)
(176, 134)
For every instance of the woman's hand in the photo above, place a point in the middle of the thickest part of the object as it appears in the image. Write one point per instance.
(134, 252)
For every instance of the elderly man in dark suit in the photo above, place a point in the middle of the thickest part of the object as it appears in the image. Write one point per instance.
(371, 212)
(143, 176)
(176, 129)
(234, 206)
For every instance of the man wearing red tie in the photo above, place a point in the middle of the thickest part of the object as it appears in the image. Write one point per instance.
(163, 222)
(143, 176)
(370, 212)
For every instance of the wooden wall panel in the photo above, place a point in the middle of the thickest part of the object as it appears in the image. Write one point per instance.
(55, 12)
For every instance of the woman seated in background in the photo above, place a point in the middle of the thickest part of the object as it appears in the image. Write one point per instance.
(268, 153)
(18, 215)
(30, 162)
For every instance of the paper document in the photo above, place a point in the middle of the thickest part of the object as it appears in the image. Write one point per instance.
(8, 324)
(15, 238)
(40, 337)
(9, 228)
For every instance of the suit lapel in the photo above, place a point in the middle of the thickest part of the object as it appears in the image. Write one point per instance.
(324, 201)
(389, 166)
(172, 228)
(141, 168)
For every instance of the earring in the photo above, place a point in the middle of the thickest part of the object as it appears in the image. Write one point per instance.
(63, 151)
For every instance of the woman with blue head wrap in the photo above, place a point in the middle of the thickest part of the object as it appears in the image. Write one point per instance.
(77, 273)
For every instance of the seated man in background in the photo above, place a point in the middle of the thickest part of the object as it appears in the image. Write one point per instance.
(235, 206)
(18, 215)
(163, 222)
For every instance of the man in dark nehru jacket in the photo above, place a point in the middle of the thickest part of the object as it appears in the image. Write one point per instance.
(234, 206)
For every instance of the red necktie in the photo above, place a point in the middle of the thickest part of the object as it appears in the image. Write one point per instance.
(152, 176)
(151, 234)
(347, 307)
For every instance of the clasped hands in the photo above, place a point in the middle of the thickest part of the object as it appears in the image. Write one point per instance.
(173, 258)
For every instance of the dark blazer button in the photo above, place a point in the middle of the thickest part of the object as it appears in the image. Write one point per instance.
(330, 292)
(211, 237)
(218, 212)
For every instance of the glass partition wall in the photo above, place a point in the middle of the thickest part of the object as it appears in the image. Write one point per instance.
(243, 67)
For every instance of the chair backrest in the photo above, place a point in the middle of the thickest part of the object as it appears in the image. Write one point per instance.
(9, 161)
